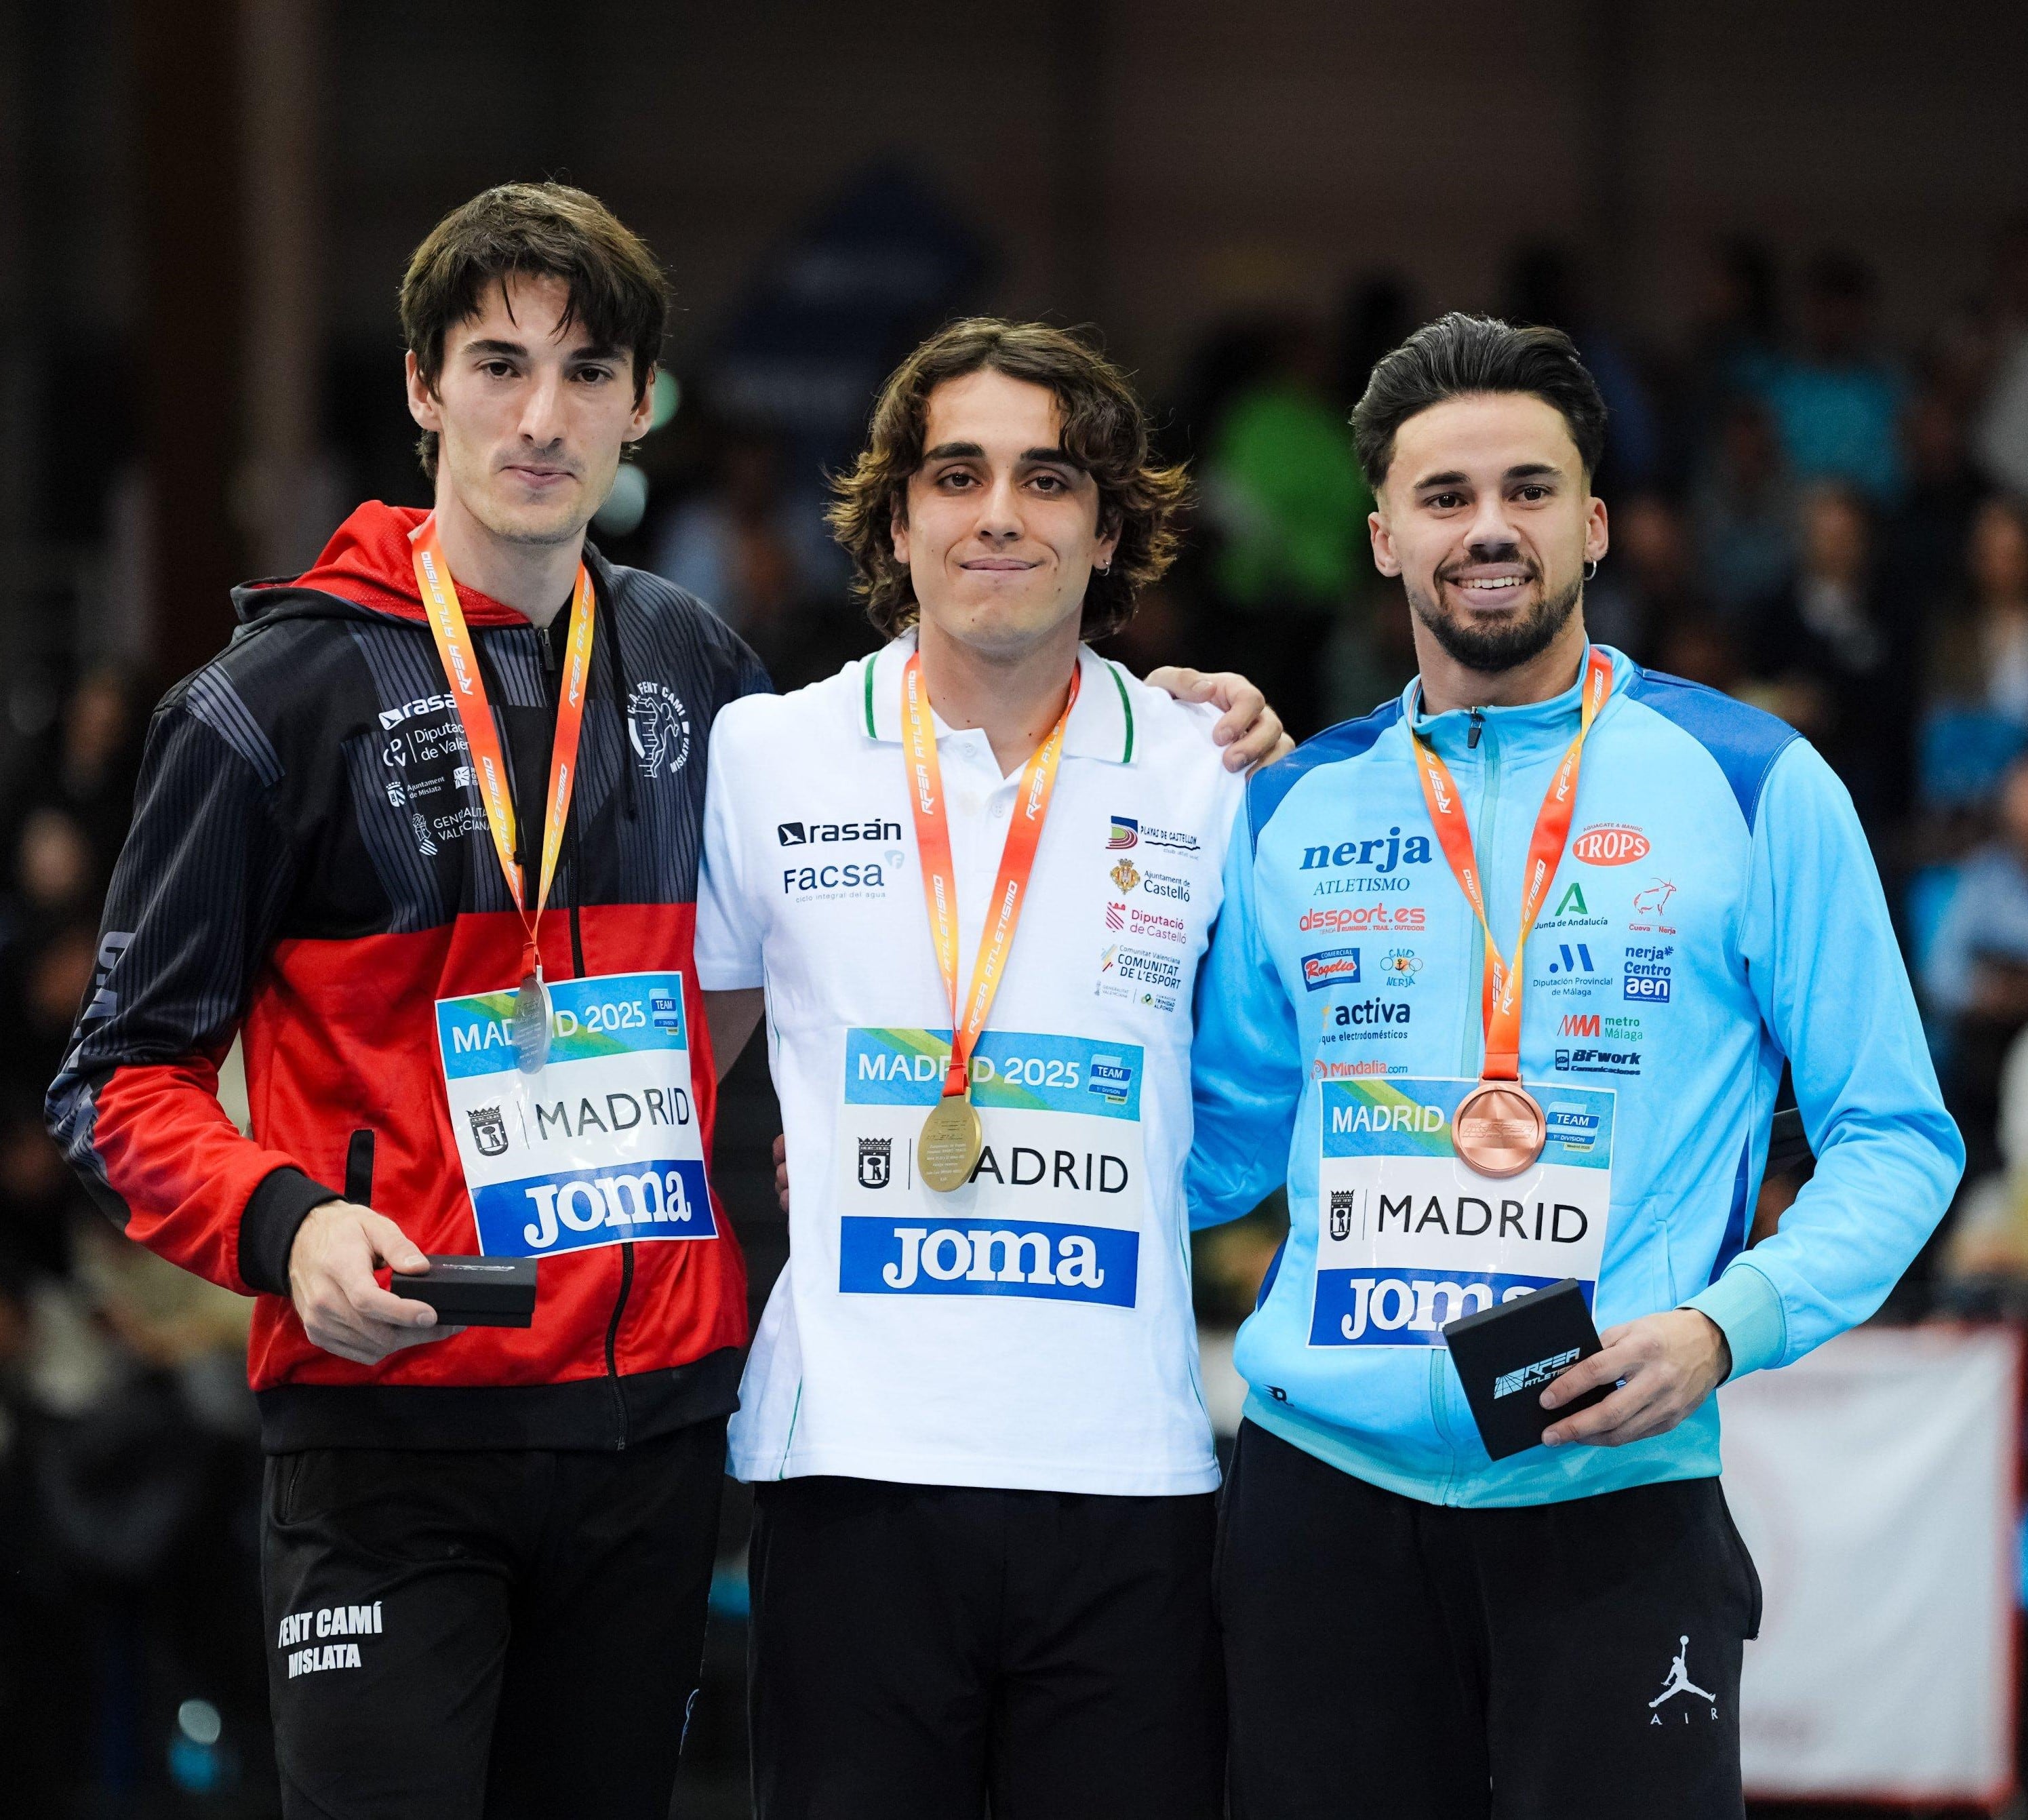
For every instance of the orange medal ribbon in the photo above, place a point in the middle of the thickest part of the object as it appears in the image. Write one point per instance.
(482, 738)
(1500, 1004)
(1017, 861)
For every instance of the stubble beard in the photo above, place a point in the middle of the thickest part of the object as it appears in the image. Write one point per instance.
(1504, 644)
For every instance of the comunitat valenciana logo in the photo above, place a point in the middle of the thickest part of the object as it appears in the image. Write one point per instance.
(1611, 844)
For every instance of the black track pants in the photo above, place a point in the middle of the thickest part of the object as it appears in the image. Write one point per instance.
(477, 1636)
(917, 1650)
(1387, 1657)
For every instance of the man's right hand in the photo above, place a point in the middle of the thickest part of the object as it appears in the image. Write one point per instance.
(337, 1249)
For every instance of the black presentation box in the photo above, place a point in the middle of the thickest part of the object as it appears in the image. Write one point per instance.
(1507, 1356)
(468, 1292)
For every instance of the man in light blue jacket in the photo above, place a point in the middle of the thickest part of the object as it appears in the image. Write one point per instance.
(1687, 899)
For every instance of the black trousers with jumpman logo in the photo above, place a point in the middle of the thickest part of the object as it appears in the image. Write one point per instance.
(1386, 1657)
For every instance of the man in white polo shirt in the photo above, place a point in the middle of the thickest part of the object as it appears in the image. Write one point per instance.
(982, 1540)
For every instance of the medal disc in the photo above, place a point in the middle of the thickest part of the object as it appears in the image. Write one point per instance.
(1498, 1129)
(531, 1025)
(949, 1146)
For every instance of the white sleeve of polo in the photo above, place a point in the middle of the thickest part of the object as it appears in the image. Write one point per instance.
(728, 925)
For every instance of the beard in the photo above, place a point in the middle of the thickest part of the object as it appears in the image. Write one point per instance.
(1505, 643)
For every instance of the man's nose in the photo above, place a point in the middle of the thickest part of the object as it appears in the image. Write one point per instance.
(542, 409)
(999, 510)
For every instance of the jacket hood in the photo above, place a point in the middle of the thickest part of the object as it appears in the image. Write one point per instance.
(366, 565)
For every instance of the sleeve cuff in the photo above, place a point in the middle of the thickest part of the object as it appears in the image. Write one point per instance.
(1747, 1308)
(267, 1228)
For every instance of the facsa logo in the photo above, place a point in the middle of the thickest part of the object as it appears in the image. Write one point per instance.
(1331, 967)
(1611, 844)
(1578, 1024)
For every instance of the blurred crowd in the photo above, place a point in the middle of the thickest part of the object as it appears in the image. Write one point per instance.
(1807, 512)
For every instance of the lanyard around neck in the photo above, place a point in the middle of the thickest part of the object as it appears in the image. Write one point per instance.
(1499, 996)
(489, 765)
(1017, 861)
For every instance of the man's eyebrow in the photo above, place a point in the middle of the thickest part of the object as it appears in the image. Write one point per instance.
(490, 349)
(598, 351)
(1056, 457)
(950, 451)
(1450, 477)
(1533, 470)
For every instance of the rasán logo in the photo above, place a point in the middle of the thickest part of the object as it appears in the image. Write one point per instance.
(1610, 844)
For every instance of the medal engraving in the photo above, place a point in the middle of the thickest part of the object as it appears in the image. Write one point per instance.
(1498, 1130)
(531, 1025)
(949, 1148)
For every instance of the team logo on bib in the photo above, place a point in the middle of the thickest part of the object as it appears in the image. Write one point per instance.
(489, 1131)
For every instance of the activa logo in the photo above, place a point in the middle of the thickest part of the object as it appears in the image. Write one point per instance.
(1578, 1024)
(1368, 1011)
(1382, 856)
(827, 834)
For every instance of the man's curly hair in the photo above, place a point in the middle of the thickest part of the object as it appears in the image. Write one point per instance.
(1105, 431)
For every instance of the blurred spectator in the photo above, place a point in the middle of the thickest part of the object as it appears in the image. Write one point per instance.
(1743, 510)
(1282, 486)
(1545, 285)
(1735, 343)
(1924, 553)
(1981, 654)
(1838, 401)
(2001, 436)
(1648, 583)
(742, 549)
(1379, 313)
(1831, 655)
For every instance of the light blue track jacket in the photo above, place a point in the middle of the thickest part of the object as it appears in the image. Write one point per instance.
(1729, 915)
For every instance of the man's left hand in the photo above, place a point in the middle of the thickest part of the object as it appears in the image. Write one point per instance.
(1670, 1362)
(1249, 730)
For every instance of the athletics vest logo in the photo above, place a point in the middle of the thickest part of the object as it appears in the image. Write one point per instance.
(876, 1161)
(658, 728)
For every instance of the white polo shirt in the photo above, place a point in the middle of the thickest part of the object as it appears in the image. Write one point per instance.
(1032, 1330)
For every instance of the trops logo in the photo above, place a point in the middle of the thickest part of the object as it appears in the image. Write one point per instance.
(1610, 844)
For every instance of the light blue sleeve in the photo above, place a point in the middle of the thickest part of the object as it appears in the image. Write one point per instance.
(1823, 961)
(1246, 1061)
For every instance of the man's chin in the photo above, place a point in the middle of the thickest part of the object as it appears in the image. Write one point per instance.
(1491, 642)
(546, 522)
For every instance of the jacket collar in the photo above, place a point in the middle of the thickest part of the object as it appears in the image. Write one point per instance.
(1101, 723)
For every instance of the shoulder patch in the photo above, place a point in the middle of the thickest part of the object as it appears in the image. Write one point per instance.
(211, 699)
(1266, 788)
(1744, 741)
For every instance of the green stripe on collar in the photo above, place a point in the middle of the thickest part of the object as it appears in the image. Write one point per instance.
(1125, 708)
(869, 733)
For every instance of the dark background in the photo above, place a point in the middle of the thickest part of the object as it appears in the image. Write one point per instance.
(1791, 238)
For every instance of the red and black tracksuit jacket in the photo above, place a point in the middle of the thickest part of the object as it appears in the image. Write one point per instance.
(310, 869)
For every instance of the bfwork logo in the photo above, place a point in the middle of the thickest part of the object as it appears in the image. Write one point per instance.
(658, 728)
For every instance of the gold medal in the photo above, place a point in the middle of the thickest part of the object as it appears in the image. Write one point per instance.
(1498, 1130)
(952, 1141)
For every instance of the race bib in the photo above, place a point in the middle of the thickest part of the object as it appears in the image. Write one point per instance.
(1408, 1238)
(603, 1144)
(1053, 1207)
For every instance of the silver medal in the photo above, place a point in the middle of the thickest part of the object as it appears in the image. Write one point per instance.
(532, 1024)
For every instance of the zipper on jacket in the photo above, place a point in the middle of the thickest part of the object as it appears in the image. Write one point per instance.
(1478, 727)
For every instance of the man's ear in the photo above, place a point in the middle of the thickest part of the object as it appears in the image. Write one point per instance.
(1382, 539)
(423, 405)
(898, 530)
(1596, 535)
(638, 424)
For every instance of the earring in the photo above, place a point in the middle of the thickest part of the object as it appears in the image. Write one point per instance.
(1105, 567)
(1591, 569)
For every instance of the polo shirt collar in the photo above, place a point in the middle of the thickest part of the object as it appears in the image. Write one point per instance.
(1101, 723)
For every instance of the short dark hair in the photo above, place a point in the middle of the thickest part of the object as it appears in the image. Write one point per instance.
(1459, 356)
(1105, 432)
(616, 289)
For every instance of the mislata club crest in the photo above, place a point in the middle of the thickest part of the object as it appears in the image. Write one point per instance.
(1341, 1213)
(876, 1161)
(489, 1131)
(658, 728)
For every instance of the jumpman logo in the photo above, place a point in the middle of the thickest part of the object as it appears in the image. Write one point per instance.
(1679, 1678)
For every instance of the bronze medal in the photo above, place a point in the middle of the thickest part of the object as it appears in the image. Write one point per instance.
(1497, 1130)
(949, 1148)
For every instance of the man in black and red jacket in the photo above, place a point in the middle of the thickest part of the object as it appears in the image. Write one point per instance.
(486, 1551)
